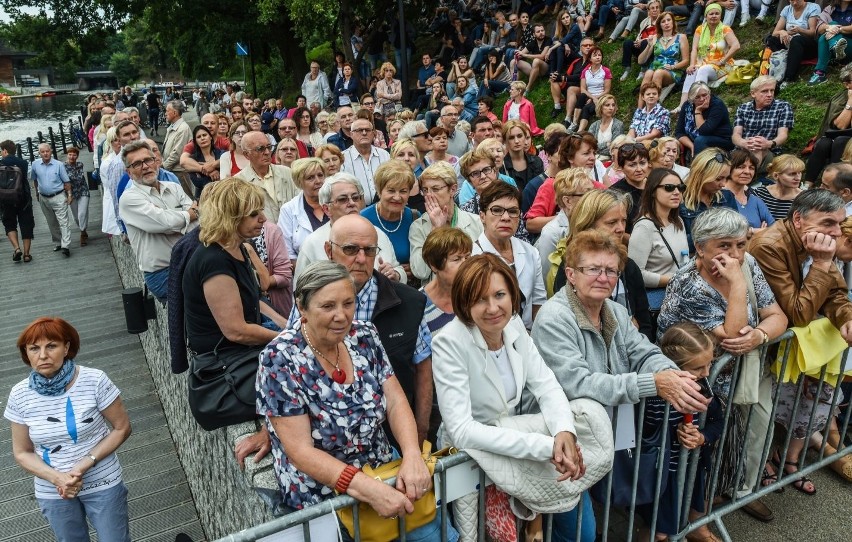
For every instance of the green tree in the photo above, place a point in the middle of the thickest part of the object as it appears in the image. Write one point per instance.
(124, 69)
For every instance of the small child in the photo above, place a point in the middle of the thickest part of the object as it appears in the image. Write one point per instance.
(691, 348)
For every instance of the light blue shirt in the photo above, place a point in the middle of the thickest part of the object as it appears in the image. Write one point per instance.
(50, 176)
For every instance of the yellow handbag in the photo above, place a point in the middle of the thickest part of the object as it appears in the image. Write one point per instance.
(375, 528)
(742, 73)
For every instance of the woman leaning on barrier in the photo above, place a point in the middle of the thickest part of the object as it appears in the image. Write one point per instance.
(724, 291)
(61, 417)
(483, 362)
(325, 387)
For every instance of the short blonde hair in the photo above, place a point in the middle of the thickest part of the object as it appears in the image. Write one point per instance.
(657, 146)
(509, 125)
(393, 174)
(520, 86)
(475, 156)
(783, 162)
(224, 208)
(304, 166)
(328, 147)
(440, 171)
(554, 128)
(387, 65)
(403, 143)
(602, 102)
(568, 182)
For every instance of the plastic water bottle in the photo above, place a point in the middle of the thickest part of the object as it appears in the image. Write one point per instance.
(684, 257)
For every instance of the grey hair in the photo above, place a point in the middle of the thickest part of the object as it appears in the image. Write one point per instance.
(177, 106)
(134, 146)
(130, 109)
(718, 223)
(43, 146)
(697, 87)
(819, 201)
(410, 129)
(317, 276)
(339, 177)
(239, 96)
(761, 80)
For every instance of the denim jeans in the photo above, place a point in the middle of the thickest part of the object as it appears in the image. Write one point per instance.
(158, 283)
(106, 510)
(565, 524)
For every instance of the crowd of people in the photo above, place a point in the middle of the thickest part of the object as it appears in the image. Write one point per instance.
(402, 264)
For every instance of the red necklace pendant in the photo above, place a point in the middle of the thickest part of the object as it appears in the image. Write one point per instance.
(338, 376)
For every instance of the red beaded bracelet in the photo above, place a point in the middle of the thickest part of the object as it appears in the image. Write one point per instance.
(345, 479)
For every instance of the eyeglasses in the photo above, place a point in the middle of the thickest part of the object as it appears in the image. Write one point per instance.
(720, 157)
(496, 210)
(368, 104)
(672, 187)
(598, 271)
(353, 250)
(488, 170)
(264, 148)
(240, 133)
(361, 130)
(144, 162)
(449, 114)
(422, 134)
(343, 200)
(288, 149)
(424, 190)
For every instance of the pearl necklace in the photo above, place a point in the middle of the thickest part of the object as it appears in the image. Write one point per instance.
(382, 224)
(337, 375)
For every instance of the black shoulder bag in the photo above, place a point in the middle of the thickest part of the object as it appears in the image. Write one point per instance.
(221, 385)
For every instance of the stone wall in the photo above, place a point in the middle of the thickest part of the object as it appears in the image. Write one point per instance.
(223, 494)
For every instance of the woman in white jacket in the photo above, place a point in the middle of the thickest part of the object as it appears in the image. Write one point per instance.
(303, 215)
(484, 362)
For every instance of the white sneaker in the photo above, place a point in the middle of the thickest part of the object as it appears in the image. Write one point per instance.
(744, 21)
(625, 75)
(640, 76)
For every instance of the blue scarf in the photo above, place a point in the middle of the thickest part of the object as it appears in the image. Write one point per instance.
(56, 385)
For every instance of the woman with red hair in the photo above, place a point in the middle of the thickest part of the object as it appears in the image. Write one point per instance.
(61, 417)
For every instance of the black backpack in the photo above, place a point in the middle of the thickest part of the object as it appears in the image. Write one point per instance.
(11, 183)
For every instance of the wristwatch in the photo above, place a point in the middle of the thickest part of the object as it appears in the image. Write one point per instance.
(847, 107)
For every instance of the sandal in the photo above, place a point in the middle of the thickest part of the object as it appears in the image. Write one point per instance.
(16, 257)
(769, 477)
(27, 258)
(799, 485)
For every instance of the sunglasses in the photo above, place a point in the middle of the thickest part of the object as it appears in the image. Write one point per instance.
(352, 250)
(672, 187)
(630, 147)
(721, 157)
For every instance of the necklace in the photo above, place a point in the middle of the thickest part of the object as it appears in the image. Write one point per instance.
(382, 224)
(337, 375)
(498, 353)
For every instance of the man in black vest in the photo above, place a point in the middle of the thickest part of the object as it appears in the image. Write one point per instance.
(395, 309)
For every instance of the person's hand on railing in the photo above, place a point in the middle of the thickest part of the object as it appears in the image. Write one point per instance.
(846, 332)
(386, 500)
(680, 389)
(689, 436)
(567, 457)
(413, 479)
(749, 339)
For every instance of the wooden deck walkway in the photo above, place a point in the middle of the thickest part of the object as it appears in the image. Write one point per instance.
(85, 290)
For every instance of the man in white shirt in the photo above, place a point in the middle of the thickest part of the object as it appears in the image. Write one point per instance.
(178, 134)
(156, 215)
(275, 180)
(362, 159)
(342, 195)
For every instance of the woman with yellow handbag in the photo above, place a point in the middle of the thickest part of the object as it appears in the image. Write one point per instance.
(325, 387)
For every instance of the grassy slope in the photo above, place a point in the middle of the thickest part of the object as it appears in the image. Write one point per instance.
(809, 103)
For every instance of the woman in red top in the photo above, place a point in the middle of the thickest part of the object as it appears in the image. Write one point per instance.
(234, 160)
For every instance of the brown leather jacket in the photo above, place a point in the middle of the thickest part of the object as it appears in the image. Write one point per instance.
(780, 254)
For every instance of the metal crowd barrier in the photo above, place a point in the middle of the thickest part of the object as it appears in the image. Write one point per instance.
(686, 474)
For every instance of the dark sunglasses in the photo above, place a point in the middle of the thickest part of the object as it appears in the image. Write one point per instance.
(630, 147)
(672, 187)
(721, 157)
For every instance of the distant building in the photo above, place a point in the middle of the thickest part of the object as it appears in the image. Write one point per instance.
(11, 62)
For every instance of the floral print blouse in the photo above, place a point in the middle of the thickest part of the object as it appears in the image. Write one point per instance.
(346, 419)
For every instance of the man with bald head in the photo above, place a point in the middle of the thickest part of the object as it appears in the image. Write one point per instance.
(275, 180)
(397, 311)
(341, 195)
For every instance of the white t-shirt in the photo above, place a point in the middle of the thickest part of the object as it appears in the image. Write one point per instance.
(65, 428)
(514, 111)
(596, 81)
(811, 10)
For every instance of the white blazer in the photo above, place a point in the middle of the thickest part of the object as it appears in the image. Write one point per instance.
(471, 396)
(295, 224)
(527, 270)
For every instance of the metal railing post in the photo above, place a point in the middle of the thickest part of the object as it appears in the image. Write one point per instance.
(62, 139)
(52, 141)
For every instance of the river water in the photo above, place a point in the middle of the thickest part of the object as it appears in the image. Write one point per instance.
(21, 118)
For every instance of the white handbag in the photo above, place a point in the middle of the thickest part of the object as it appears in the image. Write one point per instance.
(531, 484)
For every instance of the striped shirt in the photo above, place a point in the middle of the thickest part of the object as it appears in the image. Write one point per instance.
(778, 208)
(65, 428)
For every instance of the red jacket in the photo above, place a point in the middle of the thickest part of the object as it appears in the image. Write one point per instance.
(527, 113)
